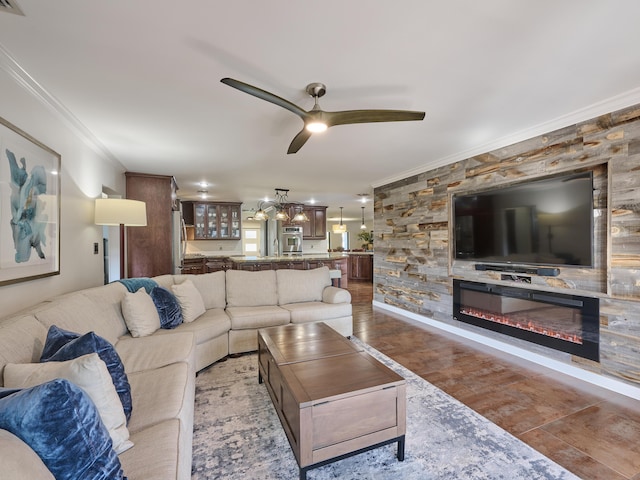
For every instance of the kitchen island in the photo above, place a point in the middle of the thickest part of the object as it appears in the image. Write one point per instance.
(198, 263)
(335, 261)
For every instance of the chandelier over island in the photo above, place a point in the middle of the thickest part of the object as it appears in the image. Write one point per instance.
(281, 204)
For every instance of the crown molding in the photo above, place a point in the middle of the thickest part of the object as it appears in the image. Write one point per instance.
(618, 102)
(26, 81)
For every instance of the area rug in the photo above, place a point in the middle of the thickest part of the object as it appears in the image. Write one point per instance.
(237, 435)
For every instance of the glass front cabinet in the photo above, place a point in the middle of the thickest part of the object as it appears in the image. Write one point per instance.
(217, 221)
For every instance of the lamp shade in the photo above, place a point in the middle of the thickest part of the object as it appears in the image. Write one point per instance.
(120, 211)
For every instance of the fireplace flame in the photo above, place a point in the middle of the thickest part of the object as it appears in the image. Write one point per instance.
(523, 325)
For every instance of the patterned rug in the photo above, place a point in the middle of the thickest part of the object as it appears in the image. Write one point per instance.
(237, 435)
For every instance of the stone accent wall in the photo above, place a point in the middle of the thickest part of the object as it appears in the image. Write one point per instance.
(413, 262)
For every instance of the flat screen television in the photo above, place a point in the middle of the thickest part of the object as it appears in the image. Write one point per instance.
(541, 222)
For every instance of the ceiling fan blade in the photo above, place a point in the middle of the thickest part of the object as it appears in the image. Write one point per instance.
(264, 95)
(299, 140)
(370, 116)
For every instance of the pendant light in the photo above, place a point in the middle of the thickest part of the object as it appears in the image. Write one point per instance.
(363, 226)
(340, 228)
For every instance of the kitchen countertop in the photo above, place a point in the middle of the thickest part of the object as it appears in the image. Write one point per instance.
(287, 258)
(279, 258)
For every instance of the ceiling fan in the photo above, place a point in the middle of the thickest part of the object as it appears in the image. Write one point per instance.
(318, 120)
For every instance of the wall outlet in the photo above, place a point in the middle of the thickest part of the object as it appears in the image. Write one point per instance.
(96, 248)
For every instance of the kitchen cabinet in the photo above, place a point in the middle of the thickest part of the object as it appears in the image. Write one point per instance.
(316, 227)
(361, 267)
(187, 213)
(217, 264)
(313, 229)
(149, 251)
(193, 265)
(217, 221)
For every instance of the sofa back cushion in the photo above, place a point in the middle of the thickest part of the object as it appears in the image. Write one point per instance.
(95, 309)
(295, 286)
(22, 339)
(212, 288)
(251, 289)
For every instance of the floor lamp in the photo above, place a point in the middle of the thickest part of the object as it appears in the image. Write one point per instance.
(121, 212)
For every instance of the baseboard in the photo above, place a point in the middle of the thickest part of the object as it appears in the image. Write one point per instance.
(573, 371)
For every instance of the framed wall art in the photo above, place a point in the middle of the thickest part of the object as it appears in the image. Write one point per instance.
(29, 207)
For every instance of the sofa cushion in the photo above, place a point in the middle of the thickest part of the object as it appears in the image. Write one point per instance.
(251, 289)
(21, 340)
(40, 414)
(317, 311)
(90, 374)
(168, 308)
(108, 299)
(155, 351)
(210, 324)
(79, 313)
(156, 455)
(212, 287)
(257, 317)
(140, 313)
(189, 299)
(159, 394)
(302, 285)
(18, 460)
(63, 345)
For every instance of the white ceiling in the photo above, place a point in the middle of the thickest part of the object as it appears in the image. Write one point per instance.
(143, 77)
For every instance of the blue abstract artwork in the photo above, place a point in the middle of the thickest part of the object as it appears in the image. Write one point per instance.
(29, 207)
(28, 230)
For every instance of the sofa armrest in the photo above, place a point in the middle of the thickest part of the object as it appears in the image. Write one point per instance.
(336, 295)
(155, 351)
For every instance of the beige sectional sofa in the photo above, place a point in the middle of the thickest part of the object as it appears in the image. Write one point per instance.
(161, 367)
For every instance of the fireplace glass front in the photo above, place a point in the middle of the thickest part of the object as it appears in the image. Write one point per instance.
(568, 323)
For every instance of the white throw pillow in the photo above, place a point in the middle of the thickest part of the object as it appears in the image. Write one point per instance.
(189, 299)
(89, 373)
(140, 313)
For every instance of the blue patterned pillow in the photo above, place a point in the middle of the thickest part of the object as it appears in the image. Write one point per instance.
(61, 424)
(135, 284)
(168, 307)
(63, 345)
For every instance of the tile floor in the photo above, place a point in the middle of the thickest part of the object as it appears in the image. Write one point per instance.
(589, 430)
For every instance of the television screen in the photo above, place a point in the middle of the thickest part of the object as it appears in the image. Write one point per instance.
(542, 222)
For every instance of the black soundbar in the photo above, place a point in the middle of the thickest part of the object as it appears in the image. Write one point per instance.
(542, 271)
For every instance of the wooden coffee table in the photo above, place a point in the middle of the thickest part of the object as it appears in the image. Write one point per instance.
(333, 399)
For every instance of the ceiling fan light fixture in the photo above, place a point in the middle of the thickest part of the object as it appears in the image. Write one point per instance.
(316, 127)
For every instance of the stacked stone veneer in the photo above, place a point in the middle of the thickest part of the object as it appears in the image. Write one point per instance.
(413, 261)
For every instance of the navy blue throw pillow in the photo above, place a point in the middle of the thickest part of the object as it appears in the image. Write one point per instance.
(64, 345)
(168, 307)
(62, 425)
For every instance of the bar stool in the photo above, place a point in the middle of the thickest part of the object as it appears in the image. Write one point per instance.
(335, 274)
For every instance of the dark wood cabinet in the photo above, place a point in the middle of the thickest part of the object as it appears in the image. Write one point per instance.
(361, 267)
(316, 227)
(187, 213)
(216, 264)
(217, 221)
(149, 250)
(193, 265)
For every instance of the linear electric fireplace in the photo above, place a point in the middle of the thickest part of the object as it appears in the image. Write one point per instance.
(568, 323)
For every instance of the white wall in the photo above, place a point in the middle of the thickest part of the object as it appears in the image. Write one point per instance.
(84, 172)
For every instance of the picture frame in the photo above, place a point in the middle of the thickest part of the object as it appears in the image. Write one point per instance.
(29, 207)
